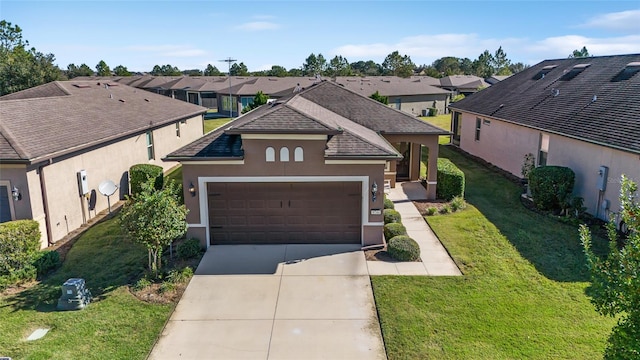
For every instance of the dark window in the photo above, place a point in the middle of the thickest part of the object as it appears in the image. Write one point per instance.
(150, 153)
(574, 72)
(178, 129)
(478, 125)
(628, 72)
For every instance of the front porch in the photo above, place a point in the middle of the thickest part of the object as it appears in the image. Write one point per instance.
(413, 148)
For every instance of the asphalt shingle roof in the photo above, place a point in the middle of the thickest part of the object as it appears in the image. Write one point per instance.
(591, 106)
(85, 114)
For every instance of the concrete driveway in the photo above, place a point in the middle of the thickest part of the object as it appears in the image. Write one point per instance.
(276, 302)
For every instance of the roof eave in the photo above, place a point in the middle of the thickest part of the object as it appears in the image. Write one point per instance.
(201, 158)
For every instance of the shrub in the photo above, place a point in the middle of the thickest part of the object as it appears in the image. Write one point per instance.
(188, 249)
(19, 246)
(46, 261)
(141, 173)
(458, 203)
(392, 230)
(180, 276)
(403, 248)
(457, 98)
(432, 211)
(391, 216)
(450, 180)
(550, 186)
(141, 284)
(446, 209)
(433, 111)
(388, 204)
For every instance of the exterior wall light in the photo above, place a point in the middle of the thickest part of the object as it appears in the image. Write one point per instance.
(192, 189)
(374, 191)
(15, 192)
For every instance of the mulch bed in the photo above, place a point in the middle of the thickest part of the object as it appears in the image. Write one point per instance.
(423, 205)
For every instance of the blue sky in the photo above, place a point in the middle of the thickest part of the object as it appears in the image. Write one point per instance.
(192, 34)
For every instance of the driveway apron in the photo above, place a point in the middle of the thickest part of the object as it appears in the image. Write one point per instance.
(275, 302)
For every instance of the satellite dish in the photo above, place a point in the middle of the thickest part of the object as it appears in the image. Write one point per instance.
(107, 188)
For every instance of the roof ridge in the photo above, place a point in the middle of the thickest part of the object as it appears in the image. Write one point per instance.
(7, 135)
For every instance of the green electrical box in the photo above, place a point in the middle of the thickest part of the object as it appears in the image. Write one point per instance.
(75, 295)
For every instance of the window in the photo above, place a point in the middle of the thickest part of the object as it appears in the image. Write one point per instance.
(178, 129)
(284, 154)
(270, 154)
(298, 154)
(6, 202)
(387, 166)
(398, 104)
(457, 127)
(150, 154)
(478, 125)
(246, 101)
(544, 150)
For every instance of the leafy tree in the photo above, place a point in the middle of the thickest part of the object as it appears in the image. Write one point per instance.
(398, 65)
(121, 70)
(154, 218)
(20, 67)
(366, 68)
(615, 289)
(277, 71)
(165, 70)
(338, 66)
(517, 67)
(239, 69)
(192, 72)
(314, 65)
(380, 98)
(447, 65)
(75, 71)
(483, 65)
(102, 69)
(580, 53)
(295, 72)
(501, 63)
(259, 99)
(211, 71)
(466, 66)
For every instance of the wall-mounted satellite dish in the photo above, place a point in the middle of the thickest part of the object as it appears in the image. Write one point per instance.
(107, 188)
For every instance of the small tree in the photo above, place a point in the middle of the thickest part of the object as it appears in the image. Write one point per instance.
(615, 281)
(380, 98)
(258, 100)
(154, 218)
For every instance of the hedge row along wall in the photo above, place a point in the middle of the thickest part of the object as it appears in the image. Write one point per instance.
(450, 180)
(140, 173)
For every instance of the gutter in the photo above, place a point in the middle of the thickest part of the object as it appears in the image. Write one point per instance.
(45, 203)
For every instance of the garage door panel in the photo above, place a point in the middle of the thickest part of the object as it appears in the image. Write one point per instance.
(258, 213)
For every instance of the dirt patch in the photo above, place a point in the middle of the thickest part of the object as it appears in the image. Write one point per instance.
(424, 205)
(156, 294)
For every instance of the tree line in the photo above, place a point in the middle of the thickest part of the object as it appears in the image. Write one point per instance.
(22, 67)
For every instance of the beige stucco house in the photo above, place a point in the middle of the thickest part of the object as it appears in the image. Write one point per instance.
(61, 140)
(582, 113)
(309, 168)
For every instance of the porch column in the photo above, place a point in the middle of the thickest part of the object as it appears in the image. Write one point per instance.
(432, 170)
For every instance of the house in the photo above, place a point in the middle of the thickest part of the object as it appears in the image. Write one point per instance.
(412, 95)
(60, 141)
(307, 168)
(463, 84)
(494, 79)
(582, 113)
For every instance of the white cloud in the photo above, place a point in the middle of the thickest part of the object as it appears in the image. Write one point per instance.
(622, 21)
(562, 46)
(257, 26)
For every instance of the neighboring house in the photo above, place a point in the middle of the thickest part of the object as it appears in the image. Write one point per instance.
(494, 79)
(308, 168)
(412, 95)
(52, 134)
(582, 113)
(463, 84)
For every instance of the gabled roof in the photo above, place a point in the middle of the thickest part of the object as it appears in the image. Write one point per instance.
(66, 116)
(353, 125)
(390, 85)
(593, 103)
(455, 81)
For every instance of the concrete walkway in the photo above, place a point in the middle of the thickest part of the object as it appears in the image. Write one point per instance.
(276, 302)
(435, 258)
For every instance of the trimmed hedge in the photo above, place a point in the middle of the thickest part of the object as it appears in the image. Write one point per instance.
(140, 173)
(403, 248)
(450, 180)
(392, 230)
(388, 204)
(19, 247)
(46, 261)
(550, 186)
(391, 216)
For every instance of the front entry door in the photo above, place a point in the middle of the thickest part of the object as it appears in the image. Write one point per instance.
(402, 166)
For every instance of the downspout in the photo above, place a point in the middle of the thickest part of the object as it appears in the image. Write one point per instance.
(45, 203)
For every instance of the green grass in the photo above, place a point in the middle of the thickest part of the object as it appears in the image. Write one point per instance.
(522, 295)
(214, 124)
(115, 326)
(443, 121)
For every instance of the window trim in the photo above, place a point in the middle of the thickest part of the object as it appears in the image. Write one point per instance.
(151, 154)
(9, 198)
(298, 154)
(178, 129)
(270, 154)
(543, 149)
(284, 154)
(478, 128)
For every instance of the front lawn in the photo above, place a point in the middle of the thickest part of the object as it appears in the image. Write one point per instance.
(115, 326)
(522, 295)
(213, 124)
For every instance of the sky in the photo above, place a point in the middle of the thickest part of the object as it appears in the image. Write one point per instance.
(260, 34)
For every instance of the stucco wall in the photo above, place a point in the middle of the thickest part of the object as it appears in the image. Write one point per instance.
(313, 166)
(67, 209)
(414, 104)
(504, 145)
(16, 175)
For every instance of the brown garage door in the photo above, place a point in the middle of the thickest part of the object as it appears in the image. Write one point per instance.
(284, 213)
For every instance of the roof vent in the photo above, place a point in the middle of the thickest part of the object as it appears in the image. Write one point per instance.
(541, 74)
(577, 69)
(122, 100)
(147, 100)
(555, 92)
(628, 72)
(110, 96)
(81, 86)
(595, 97)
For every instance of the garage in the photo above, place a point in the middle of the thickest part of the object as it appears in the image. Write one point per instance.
(285, 212)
